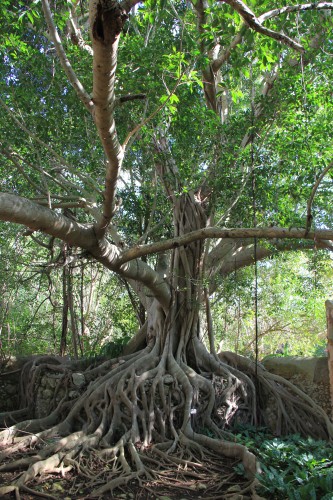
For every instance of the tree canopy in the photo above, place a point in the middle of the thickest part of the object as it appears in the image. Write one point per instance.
(173, 143)
(243, 118)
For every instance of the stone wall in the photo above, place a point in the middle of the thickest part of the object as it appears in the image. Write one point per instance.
(9, 391)
(52, 389)
(10, 374)
(309, 374)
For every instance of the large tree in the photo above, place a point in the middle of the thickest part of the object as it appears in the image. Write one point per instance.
(206, 123)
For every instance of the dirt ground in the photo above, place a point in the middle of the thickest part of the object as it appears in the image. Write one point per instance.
(221, 482)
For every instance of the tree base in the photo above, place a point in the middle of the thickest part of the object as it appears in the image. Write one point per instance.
(149, 420)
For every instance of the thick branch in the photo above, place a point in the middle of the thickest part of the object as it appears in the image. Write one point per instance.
(294, 8)
(64, 61)
(106, 23)
(217, 63)
(131, 97)
(127, 5)
(215, 232)
(37, 218)
(75, 33)
(239, 254)
(254, 23)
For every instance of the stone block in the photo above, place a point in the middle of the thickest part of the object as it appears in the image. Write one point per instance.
(313, 369)
(78, 379)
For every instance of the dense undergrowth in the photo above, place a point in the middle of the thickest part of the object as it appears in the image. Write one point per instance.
(293, 467)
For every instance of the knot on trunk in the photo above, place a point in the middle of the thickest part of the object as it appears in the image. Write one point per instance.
(109, 21)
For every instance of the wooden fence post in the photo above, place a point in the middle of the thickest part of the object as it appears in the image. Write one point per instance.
(329, 316)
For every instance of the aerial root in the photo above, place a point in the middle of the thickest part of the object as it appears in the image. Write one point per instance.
(204, 471)
(54, 458)
(193, 464)
(16, 490)
(48, 465)
(52, 442)
(28, 441)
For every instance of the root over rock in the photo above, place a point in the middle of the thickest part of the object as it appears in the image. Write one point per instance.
(152, 419)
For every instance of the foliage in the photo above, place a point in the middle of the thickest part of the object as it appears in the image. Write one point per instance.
(292, 289)
(50, 144)
(292, 467)
(32, 301)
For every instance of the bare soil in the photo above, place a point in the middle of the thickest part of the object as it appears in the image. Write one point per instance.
(221, 483)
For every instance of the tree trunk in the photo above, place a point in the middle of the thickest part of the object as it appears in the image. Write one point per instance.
(186, 277)
(148, 409)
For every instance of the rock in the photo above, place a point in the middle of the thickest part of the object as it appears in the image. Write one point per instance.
(51, 382)
(168, 379)
(73, 394)
(312, 369)
(47, 394)
(78, 379)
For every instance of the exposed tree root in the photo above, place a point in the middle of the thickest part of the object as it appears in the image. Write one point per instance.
(295, 412)
(143, 415)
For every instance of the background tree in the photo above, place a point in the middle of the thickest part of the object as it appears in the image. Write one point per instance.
(292, 288)
(171, 174)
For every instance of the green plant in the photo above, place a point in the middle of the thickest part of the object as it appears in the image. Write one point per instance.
(293, 467)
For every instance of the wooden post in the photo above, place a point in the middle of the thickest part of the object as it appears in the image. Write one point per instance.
(329, 316)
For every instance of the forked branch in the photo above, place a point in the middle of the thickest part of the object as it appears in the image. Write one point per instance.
(106, 22)
(255, 23)
(64, 61)
(295, 8)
